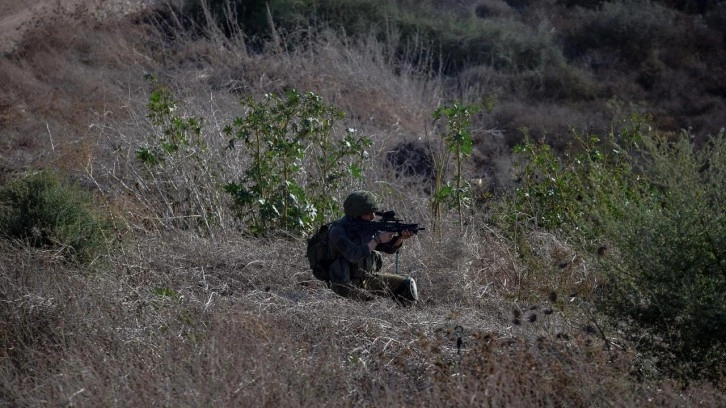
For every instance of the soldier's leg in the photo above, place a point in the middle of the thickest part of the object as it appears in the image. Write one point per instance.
(353, 290)
(390, 285)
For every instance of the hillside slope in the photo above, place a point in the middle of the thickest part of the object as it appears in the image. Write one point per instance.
(176, 312)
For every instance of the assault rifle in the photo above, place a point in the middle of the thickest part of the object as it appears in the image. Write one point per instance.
(388, 223)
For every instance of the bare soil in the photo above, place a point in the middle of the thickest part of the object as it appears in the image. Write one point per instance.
(19, 16)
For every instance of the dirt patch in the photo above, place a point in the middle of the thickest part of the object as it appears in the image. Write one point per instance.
(58, 67)
(19, 17)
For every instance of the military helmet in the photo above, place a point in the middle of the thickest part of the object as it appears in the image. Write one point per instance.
(360, 202)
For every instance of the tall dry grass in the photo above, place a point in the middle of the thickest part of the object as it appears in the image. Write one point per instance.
(177, 318)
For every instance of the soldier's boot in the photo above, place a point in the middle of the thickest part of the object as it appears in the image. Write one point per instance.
(407, 293)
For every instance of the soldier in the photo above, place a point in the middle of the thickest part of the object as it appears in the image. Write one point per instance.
(357, 258)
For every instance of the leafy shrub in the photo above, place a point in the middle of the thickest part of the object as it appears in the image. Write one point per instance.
(672, 240)
(173, 131)
(294, 160)
(660, 204)
(298, 165)
(177, 175)
(457, 142)
(545, 189)
(45, 212)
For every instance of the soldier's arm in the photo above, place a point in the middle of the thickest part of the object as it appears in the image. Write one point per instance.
(396, 243)
(351, 251)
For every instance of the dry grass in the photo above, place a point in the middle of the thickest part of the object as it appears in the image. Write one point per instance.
(173, 318)
(176, 320)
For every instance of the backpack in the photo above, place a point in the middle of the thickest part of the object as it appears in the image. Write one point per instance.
(318, 253)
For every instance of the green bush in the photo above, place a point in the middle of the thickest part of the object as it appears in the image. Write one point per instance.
(45, 212)
(661, 205)
(670, 285)
(299, 164)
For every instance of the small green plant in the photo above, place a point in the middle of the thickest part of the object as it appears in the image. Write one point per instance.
(178, 177)
(296, 164)
(171, 130)
(42, 211)
(458, 143)
(164, 292)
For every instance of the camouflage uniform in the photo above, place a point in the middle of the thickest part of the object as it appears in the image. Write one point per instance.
(354, 273)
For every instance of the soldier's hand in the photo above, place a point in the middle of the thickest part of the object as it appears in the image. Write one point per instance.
(406, 234)
(385, 236)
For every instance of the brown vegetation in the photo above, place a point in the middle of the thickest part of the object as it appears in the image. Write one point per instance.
(173, 318)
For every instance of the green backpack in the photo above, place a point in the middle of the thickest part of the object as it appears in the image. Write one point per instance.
(318, 253)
